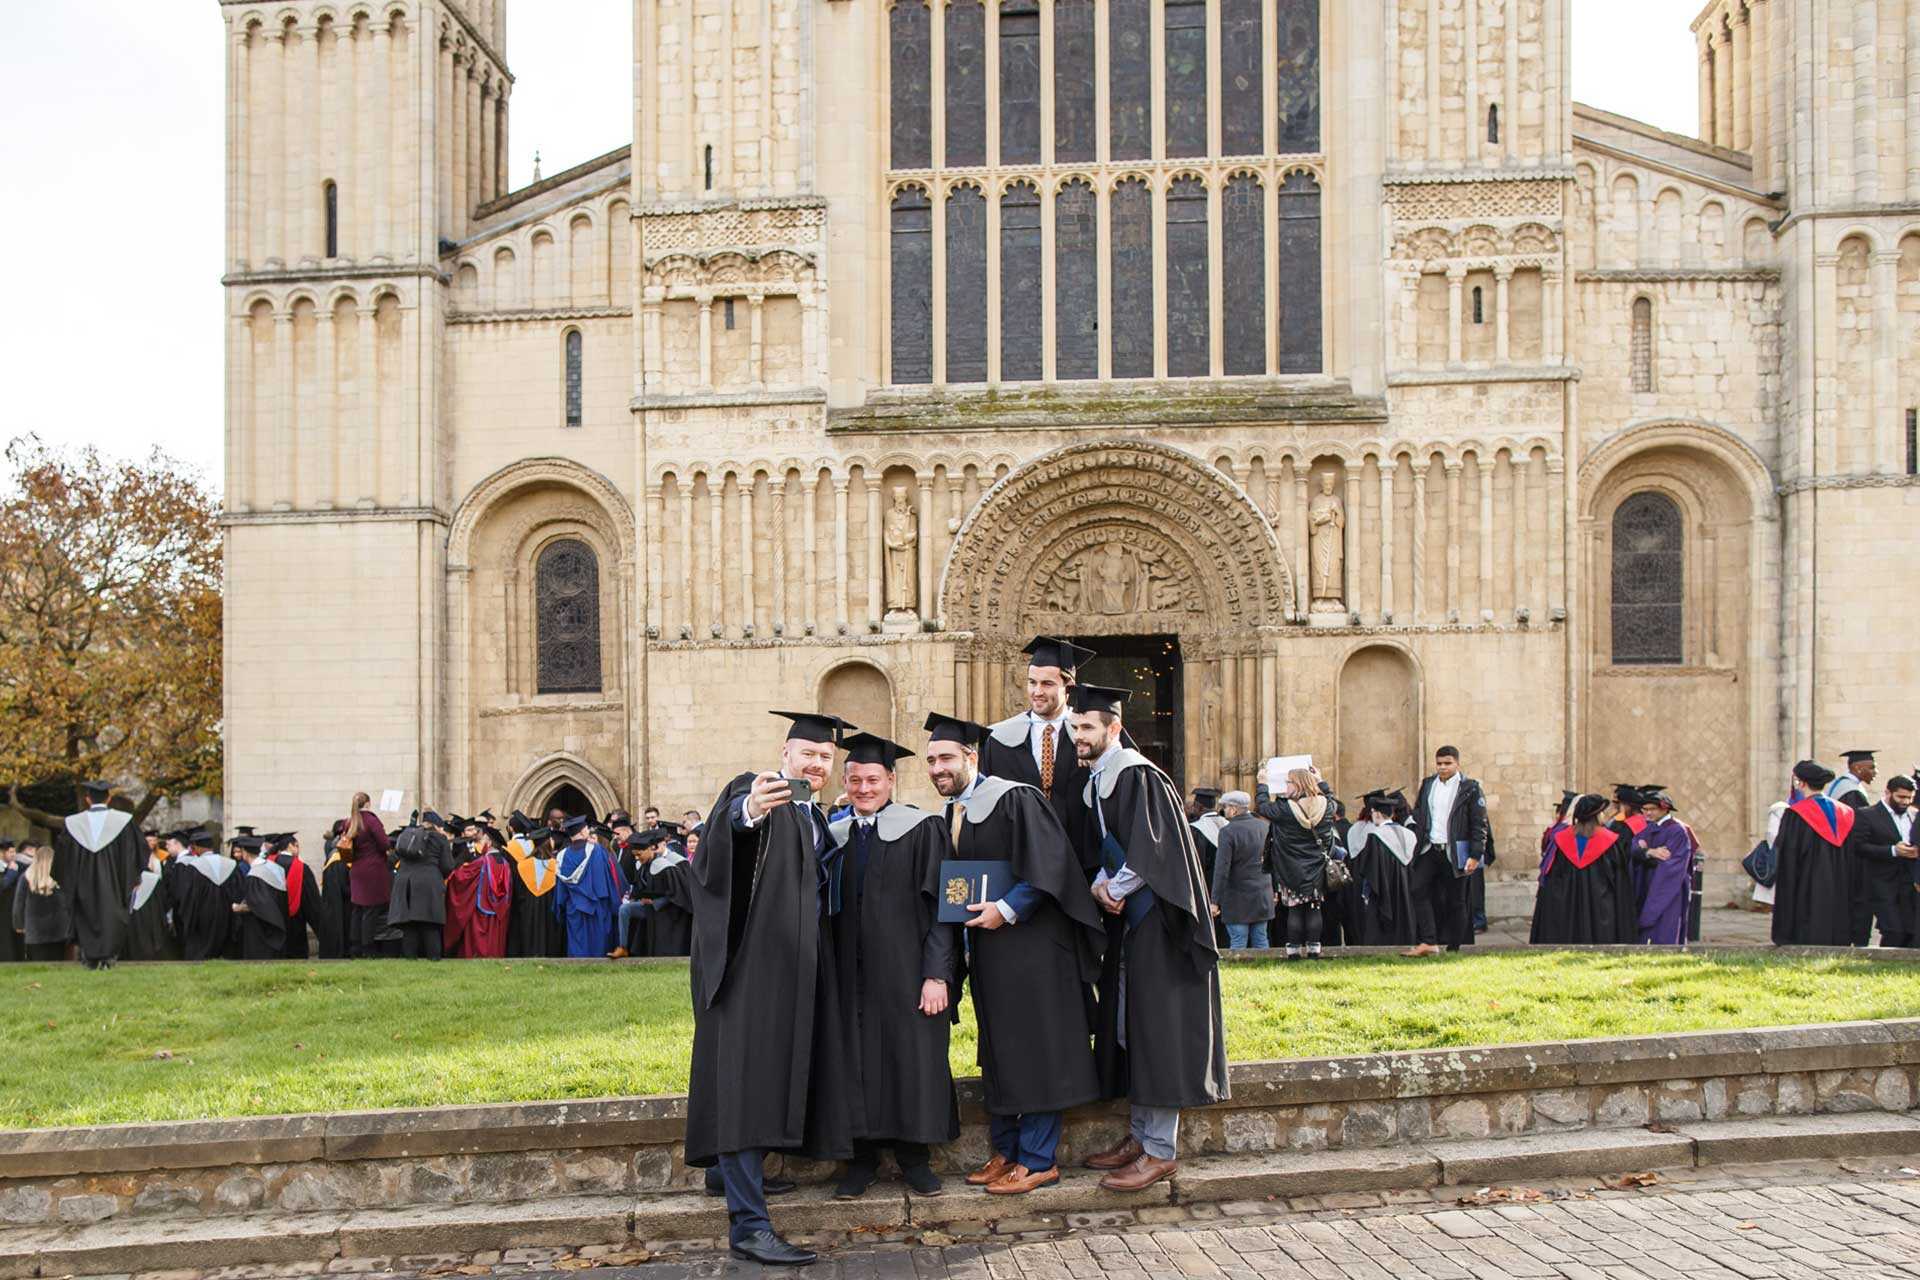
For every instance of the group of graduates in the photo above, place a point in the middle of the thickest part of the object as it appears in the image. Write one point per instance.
(1624, 877)
(1844, 863)
(449, 886)
(1059, 886)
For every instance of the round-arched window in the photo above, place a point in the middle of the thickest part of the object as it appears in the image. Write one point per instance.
(1648, 584)
(567, 618)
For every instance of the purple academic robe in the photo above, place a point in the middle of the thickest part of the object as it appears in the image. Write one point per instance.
(1663, 887)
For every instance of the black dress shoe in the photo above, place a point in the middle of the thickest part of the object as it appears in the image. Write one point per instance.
(769, 1250)
(769, 1186)
(856, 1181)
(922, 1180)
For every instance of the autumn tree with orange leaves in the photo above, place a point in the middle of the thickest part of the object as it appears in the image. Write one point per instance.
(109, 629)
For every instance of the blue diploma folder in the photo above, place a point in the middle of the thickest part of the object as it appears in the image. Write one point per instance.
(963, 883)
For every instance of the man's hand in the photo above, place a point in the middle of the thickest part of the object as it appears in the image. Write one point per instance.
(986, 915)
(770, 791)
(1214, 909)
(1659, 855)
(1108, 903)
(1473, 865)
(933, 997)
(1906, 851)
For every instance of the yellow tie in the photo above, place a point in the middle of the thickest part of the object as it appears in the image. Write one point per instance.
(1046, 758)
(954, 820)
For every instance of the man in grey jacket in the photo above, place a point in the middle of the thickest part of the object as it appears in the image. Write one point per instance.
(1242, 885)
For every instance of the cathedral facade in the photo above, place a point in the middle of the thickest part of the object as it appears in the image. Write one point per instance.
(1323, 366)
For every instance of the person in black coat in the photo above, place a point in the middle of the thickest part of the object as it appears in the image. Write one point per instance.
(13, 870)
(1883, 842)
(1242, 881)
(1300, 837)
(1450, 820)
(418, 908)
(42, 908)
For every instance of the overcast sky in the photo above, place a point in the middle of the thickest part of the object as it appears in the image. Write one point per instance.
(113, 146)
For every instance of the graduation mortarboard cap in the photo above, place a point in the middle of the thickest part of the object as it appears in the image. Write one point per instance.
(201, 839)
(1568, 797)
(535, 835)
(651, 837)
(1627, 793)
(619, 818)
(1093, 697)
(574, 825)
(871, 748)
(1813, 773)
(96, 787)
(1206, 795)
(815, 726)
(432, 819)
(1656, 793)
(250, 843)
(486, 815)
(944, 728)
(600, 830)
(1050, 651)
(519, 823)
(243, 831)
(1858, 754)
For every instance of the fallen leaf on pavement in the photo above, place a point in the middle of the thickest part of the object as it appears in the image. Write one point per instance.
(1503, 1195)
(1629, 1181)
(1746, 1226)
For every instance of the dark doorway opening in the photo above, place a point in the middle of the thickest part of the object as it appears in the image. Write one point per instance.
(1149, 668)
(570, 800)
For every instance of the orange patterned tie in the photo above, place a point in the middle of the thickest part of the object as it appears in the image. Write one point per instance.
(1046, 758)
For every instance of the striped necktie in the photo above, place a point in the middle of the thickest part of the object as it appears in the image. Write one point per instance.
(1046, 757)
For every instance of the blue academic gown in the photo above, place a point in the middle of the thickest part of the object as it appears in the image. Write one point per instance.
(588, 899)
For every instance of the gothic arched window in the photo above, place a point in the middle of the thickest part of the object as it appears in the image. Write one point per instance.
(1021, 346)
(566, 602)
(1640, 351)
(909, 83)
(1648, 581)
(575, 352)
(1243, 278)
(1076, 282)
(966, 285)
(911, 294)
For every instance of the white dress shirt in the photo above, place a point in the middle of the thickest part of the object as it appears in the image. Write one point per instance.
(1902, 822)
(1037, 728)
(1440, 801)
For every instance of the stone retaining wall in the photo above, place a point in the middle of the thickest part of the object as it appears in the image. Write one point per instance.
(626, 1146)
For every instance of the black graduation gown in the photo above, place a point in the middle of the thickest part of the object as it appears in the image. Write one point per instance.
(100, 876)
(309, 916)
(1176, 1050)
(202, 910)
(670, 923)
(1014, 761)
(335, 909)
(533, 928)
(1814, 890)
(149, 937)
(1032, 981)
(263, 925)
(1380, 899)
(767, 1040)
(1585, 898)
(12, 948)
(887, 941)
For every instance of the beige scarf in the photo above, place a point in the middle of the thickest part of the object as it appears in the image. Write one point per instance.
(1309, 810)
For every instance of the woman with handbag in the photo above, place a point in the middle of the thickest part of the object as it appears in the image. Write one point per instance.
(363, 845)
(1299, 835)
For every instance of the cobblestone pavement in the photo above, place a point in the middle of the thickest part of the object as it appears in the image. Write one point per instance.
(1858, 1219)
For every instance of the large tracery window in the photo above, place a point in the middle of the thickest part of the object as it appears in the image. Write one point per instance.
(1074, 105)
(1133, 308)
(1021, 346)
(1298, 305)
(1298, 76)
(966, 285)
(1243, 278)
(1241, 107)
(1186, 82)
(1076, 283)
(1648, 581)
(1019, 82)
(966, 73)
(1130, 78)
(1188, 314)
(910, 79)
(910, 268)
(567, 617)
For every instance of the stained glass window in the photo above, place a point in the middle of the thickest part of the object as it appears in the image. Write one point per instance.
(1243, 279)
(1019, 82)
(1129, 79)
(1076, 282)
(1648, 580)
(1186, 77)
(966, 89)
(1297, 78)
(966, 285)
(1241, 56)
(1021, 348)
(1073, 84)
(1297, 313)
(910, 75)
(1188, 317)
(575, 352)
(911, 295)
(567, 618)
(1132, 255)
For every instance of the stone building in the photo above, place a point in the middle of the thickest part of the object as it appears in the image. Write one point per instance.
(1325, 366)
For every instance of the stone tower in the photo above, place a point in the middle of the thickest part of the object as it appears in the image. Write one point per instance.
(361, 138)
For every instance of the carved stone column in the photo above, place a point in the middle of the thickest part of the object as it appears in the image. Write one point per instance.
(1303, 576)
(1456, 278)
(842, 567)
(1453, 541)
(1387, 467)
(777, 536)
(716, 557)
(1419, 565)
(876, 554)
(706, 344)
(1350, 568)
(1502, 276)
(656, 578)
(684, 483)
(1485, 597)
(747, 570)
(810, 552)
(923, 484)
(1556, 540)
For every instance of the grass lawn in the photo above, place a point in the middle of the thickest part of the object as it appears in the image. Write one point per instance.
(190, 1041)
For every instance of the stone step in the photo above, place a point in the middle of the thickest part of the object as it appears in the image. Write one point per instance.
(158, 1243)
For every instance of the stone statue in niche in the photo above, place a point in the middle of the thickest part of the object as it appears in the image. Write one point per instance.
(1326, 548)
(902, 534)
(1116, 579)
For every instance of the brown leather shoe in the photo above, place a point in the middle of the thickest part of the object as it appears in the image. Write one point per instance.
(1017, 1181)
(1423, 949)
(992, 1171)
(618, 953)
(1118, 1156)
(1140, 1175)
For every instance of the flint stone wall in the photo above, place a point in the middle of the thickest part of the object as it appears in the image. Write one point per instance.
(626, 1146)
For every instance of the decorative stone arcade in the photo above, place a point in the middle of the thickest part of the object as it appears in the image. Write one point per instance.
(1113, 538)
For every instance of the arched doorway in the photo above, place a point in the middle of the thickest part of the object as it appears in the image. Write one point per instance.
(1378, 721)
(1139, 548)
(569, 800)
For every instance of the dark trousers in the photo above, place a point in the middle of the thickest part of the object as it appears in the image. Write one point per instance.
(1303, 926)
(1028, 1140)
(908, 1155)
(364, 928)
(743, 1177)
(46, 952)
(421, 941)
(1440, 901)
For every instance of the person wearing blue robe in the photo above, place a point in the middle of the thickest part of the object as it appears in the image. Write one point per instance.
(588, 894)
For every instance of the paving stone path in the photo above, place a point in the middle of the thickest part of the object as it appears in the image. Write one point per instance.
(1858, 1219)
